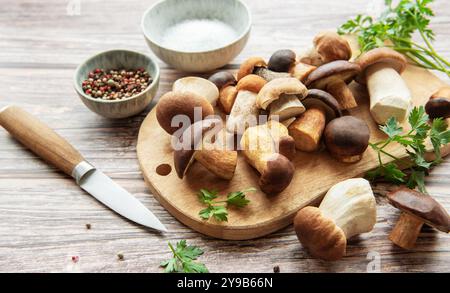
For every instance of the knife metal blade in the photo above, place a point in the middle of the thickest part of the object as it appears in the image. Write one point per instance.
(111, 194)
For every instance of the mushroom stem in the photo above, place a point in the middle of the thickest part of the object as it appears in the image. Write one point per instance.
(308, 128)
(244, 112)
(287, 106)
(342, 93)
(268, 74)
(406, 231)
(389, 95)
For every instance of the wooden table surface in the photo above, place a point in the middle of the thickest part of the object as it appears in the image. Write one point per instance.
(43, 214)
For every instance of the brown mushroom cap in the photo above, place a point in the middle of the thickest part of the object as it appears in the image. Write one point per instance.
(252, 83)
(380, 55)
(336, 70)
(332, 46)
(222, 79)
(439, 104)
(319, 98)
(172, 104)
(282, 61)
(249, 65)
(346, 137)
(182, 160)
(319, 235)
(277, 175)
(421, 206)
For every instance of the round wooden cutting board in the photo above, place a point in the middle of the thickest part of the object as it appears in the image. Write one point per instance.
(315, 174)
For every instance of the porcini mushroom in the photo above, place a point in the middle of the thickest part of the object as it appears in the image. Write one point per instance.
(199, 86)
(226, 83)
(348, 209)
(245, 111)
(347, 138)
(265, 147)
(173, 104)
(389, 94)
(195, 144)
(285, 61)
(282, 97)
(333, 77)
(328, 47)
(439, 104)
(417, 208)
(307, 129)
(249, 66)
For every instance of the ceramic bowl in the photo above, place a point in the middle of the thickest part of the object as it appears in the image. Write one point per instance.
(116, 59)
(164, 15)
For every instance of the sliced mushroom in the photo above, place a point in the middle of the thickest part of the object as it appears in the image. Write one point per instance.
(333, 77)
(328, 47)
(177, 104)
(307, 129)
(417, 208)
(439, 104)
(347, 138)
(265, 147)
(226, 83)
(245, 111)
(199, 86)
(389, 94)
(282, 97)
(348, 209)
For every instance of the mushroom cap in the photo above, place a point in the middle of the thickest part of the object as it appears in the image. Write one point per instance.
(319, 235)
(282, 61)
(277, 87)
(346, 136)
(331, 46)
(277, 174)
(249, 65)
(252, 83)
(385, 55)
(421, 206)
(439, 104)
(320, 98)
(335, 70)
(222, 79)
(184, 153)
(197, 85)
(172, 104)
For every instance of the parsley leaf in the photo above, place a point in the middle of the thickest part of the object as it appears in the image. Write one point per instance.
(414, 145)
(395, 27)
(183, 259)
(218, 209)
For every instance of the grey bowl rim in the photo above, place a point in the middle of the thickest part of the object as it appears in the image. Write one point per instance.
(238, 39)
(80, 91)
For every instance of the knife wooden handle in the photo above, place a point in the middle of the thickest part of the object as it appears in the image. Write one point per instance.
(40, 139)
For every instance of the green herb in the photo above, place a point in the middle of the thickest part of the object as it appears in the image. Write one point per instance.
(183, 259)
(395, 27)
(218, 209)
(414, 144)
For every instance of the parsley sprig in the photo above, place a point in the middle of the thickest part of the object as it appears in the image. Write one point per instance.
(218, 209)
(183, 259)
(414, 143)
(395, 27)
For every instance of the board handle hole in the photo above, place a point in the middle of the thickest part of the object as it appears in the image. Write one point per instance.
(163, 169)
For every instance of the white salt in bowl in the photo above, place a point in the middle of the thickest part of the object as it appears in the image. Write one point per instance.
(197, 35)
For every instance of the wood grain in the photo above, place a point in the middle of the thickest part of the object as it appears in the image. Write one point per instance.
(43, 213)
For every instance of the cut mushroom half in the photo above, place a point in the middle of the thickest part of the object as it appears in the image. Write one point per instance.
(226, 84)
(439, 104)
(245, 111)
(199, 86)
(282, 97)
(308, 128)
(389, 94)
(347, 138)
(417, 209)
(267, 148)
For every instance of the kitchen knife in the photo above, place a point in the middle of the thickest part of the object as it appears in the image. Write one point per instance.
(54, 149)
